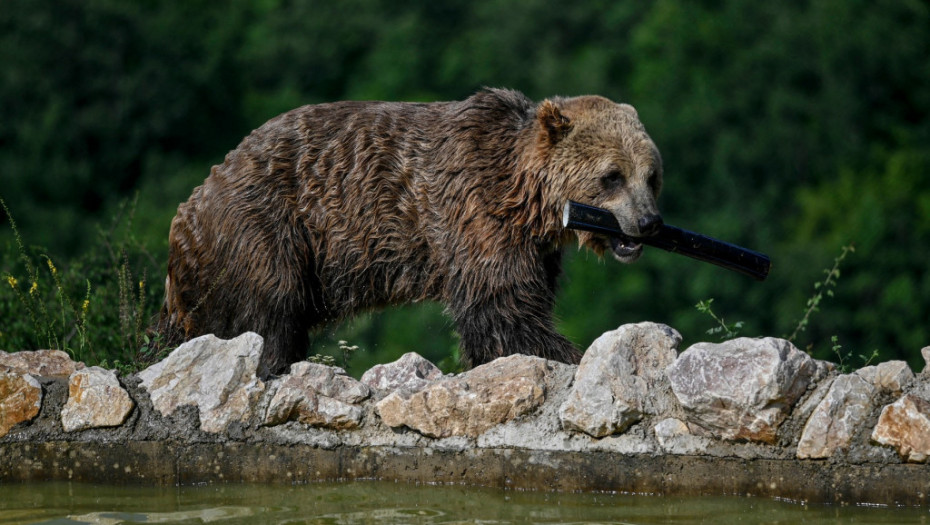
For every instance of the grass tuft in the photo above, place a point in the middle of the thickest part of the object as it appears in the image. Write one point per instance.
(95, 307)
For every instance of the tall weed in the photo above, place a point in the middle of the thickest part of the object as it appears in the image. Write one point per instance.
(96, 307)
(822, 289)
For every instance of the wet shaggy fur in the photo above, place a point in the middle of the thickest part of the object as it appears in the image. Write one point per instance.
(333, 209)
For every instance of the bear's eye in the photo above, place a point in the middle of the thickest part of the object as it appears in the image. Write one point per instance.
(613, 179)
(653, 181)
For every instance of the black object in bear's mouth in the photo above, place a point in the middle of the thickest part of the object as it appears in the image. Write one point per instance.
(669, 238)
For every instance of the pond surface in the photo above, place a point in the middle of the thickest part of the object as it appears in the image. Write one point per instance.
(383, 502)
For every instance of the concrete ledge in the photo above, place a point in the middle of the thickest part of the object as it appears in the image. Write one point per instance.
(168, 463)
(746, 417)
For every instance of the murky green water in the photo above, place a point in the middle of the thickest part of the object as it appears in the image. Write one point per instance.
(378, 502)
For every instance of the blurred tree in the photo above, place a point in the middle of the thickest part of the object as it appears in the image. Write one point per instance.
(92, 89)
(881, 301)
(793, 128)
(751, 103)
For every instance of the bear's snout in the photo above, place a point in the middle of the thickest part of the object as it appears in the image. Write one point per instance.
(650, 225)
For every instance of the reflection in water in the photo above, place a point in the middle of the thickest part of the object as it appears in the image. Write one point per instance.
(382, 502)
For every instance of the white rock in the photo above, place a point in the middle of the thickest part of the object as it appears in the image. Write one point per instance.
(40, 363)
(20, 399)
(471, 403)
(330, 381)
(741, 389)
(837, 418)
(315, 395)
(894, 376)
(674, 437)
(890, 376)
(905, 425)
(332, 413)
(95, 399)
(621, 378)
(217, 376)
(669, 428)
(410, 373)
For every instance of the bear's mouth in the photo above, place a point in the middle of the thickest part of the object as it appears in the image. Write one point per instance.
(625, 249)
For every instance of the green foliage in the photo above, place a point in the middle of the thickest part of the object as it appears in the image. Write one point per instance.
(821, 288)
(723, 330)
(843, 358)
(886, 205)
(347, 351)
(93, 307)
(791, 128)
(93, 89)
(387, 335)
(321, 359)
(50, 322)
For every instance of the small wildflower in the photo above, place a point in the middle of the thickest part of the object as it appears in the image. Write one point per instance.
(33, 288)
(84, 306)
(51, 266)
(12, 280)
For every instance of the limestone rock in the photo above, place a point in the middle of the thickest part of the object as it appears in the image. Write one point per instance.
(925, 353)
(670, 427)
(410, 373)
(95, 399)
(669, 431)
(620, 378)
(905, 425)
(741, 389)
(890, 376)
(316, 395)
(473, 402)
(40, 363)
(20, 399)
(330, 381)
(219, 377)
(834, 422)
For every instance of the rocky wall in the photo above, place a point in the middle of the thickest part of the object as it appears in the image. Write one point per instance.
(747, 416)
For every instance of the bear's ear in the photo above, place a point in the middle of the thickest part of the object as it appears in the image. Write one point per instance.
(553, 124)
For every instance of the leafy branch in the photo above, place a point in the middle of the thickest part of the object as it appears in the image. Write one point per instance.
(724, 330)
(821, 289)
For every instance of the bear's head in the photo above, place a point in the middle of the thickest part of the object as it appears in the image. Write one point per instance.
(597, 152)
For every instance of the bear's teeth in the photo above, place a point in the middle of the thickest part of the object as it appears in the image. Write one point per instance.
(623, 244)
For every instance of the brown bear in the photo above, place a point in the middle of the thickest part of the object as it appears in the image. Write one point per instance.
(333, 209)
